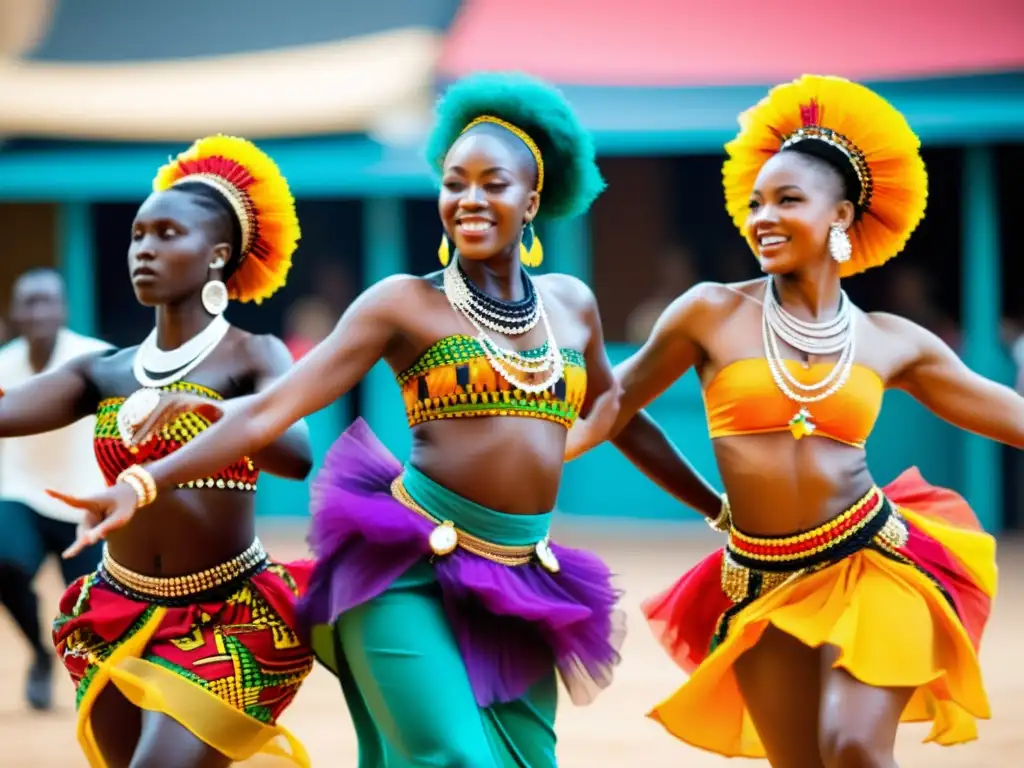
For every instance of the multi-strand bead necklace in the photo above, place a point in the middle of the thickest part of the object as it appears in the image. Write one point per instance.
(509, 319)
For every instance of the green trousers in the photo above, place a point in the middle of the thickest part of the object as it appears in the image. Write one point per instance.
(409, 696)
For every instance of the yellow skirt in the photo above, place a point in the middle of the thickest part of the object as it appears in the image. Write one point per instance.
(910, 618)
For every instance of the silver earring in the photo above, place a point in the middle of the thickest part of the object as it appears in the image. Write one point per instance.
(839, 244)
(215, 293)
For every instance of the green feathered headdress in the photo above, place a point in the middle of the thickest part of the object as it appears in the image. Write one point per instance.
(571, 178)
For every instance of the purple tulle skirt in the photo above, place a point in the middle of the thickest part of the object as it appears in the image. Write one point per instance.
(511, 622)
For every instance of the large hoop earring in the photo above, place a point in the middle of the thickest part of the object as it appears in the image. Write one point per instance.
(215, 293)
(839, 244)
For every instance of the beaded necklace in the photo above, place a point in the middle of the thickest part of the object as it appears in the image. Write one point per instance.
(500, 317)
(811, 338)
(174, 363)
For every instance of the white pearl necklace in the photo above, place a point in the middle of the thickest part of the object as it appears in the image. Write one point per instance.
(815, 338)
(828, 337)
(180, 361)
(503, 360)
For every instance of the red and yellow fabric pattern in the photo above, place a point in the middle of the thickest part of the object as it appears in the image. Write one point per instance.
(910, 615)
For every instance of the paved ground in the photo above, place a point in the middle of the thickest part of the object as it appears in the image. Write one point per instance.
(611, 732)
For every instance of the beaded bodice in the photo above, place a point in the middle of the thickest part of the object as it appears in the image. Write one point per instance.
(454, 379)
(113, 456)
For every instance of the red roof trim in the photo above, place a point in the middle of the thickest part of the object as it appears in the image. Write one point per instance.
(702, 42)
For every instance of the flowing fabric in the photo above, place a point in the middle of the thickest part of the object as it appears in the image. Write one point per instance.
(224, 669)
(512, 623)
(913, 618)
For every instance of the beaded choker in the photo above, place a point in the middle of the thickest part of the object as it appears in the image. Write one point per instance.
(521, 312)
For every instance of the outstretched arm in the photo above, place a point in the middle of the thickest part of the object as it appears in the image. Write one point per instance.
(331, 369)
(940, 381)
(250, 424)
(290, 455)
(651, 451)
(633, 431)
(50, 401)
(668, 354)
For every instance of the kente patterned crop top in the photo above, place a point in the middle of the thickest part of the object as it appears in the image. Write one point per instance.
(454, 379)
(113, 456)
(743, 399)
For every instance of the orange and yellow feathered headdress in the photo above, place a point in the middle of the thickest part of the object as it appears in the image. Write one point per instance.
(259, 195)
(871, 135)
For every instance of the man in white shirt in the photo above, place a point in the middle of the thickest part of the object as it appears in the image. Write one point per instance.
(33, 525)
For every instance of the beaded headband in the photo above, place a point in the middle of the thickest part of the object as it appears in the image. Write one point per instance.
(811, 114)
(522, 135)
(259, 196)
(865, 129)
(240, 203)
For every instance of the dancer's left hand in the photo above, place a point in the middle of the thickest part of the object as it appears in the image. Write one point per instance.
(103, 512)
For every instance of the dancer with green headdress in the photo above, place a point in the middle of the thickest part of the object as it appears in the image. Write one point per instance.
(438, 597)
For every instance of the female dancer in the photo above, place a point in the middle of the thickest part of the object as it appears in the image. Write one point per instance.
(441, 573)
(186, 616)
(837, 608)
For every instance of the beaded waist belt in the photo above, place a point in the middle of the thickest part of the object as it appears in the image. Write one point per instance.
(446, 537)
(189, 586)
(753, 566)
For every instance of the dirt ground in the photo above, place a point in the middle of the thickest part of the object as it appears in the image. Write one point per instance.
(611, 732)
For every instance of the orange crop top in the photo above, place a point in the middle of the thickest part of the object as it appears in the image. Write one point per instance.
(743, 399)
(453, 378)
(114, 456)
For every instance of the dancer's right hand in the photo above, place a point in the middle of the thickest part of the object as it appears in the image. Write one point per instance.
(171, 406)
(103, 512)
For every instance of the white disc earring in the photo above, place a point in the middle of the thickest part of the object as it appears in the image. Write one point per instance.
(839, 244)
(215, 293)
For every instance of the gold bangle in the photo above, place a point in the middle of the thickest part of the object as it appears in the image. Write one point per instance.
(723, 522)
(141, 482)
(136, 485)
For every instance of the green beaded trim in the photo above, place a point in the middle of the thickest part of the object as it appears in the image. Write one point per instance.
(459, 349)
(502, 403)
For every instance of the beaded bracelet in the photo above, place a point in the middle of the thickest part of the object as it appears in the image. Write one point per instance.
(141, 482)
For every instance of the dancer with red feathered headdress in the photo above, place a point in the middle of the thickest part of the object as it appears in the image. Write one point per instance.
(183, 643)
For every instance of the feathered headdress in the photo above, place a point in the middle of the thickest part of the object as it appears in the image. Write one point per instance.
(541, 117)
(259, 196)
(871, 135)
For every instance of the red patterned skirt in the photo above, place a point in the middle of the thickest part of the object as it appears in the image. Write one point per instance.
(225, 663)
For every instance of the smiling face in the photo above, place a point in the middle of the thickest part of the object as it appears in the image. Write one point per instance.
(176, 241)
(796, 200)
(487, 192)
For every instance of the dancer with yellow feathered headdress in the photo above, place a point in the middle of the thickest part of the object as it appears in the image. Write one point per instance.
(837, 608)
(183, 643)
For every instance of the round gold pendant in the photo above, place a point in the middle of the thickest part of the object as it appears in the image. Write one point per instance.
(135, 410)
(546, 557)
(444, 538)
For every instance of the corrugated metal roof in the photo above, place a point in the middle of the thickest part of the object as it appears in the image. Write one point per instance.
(697, 42)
